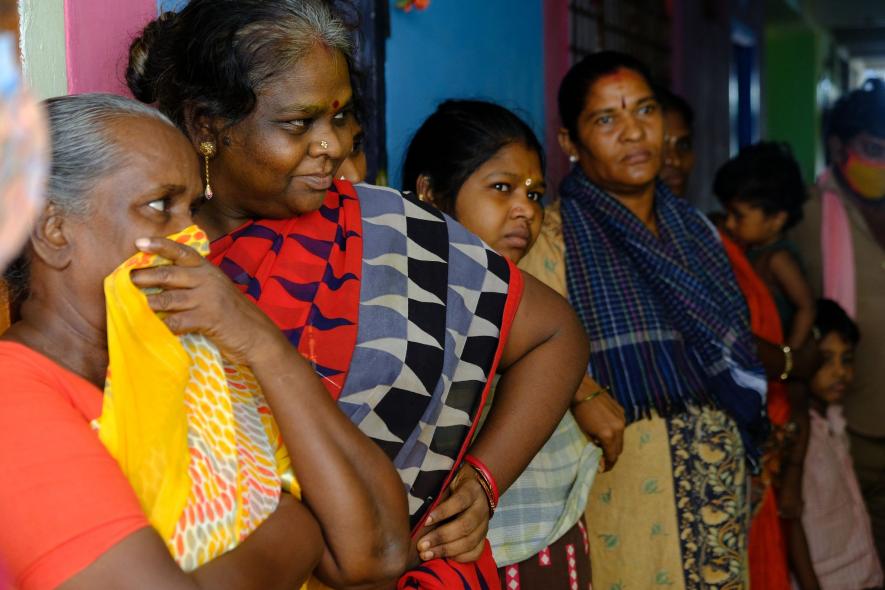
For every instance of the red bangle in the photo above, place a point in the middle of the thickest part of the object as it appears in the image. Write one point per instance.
(490, 487)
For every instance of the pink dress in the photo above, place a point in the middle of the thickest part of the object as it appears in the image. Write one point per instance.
(836, 522)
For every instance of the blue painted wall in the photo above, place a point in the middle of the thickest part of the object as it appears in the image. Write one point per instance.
(164, 5)
(493, 49)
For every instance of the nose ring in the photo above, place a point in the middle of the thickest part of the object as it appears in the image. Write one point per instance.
(324, 144)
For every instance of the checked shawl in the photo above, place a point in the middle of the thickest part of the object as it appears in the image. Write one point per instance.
(668, 326)
(402, 312)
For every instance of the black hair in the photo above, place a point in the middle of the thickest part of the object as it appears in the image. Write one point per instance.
(832, 318)
(861, 110)
(671, 101)
(459, 137)
(215, 54)
(581, 77)
(764, 175)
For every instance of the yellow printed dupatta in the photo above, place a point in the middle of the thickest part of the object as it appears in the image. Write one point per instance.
(192, 432)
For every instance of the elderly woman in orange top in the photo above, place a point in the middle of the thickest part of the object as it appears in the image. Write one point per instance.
(70, 518)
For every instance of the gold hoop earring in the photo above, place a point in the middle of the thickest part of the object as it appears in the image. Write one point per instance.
(207, 150)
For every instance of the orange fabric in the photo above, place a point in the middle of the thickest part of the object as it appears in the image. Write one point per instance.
(64, 501)
(767, 546)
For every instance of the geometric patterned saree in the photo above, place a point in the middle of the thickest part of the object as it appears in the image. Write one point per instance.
(402, 312)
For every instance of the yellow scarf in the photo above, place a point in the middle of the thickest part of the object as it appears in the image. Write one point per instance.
(191, 432)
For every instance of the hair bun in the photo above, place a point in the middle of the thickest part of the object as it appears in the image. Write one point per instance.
(147, 61)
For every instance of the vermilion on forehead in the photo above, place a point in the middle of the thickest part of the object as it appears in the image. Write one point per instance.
(619, 87)
(620, 76)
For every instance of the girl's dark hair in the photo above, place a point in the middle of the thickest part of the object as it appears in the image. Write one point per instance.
(861, 110)
(581, 77)
(832, 318)
(215, 54)
(459, 137)
(764, 175)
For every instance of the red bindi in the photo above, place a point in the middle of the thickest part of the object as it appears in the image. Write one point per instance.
(335, 104)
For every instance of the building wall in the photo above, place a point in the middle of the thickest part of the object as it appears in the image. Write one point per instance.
(702, 54)
(791, 81)
(462, 49)
(81, 45)
(802, 82)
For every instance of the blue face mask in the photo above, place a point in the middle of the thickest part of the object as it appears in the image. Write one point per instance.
(23, 154)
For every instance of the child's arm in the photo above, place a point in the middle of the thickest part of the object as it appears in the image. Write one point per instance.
(788, 275)
(790, 496)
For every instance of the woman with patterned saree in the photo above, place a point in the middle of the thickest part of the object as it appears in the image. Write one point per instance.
(188, 481)
(404, 314)
(669, 335)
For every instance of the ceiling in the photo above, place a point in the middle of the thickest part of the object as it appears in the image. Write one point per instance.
(858, 25)
(847, 14)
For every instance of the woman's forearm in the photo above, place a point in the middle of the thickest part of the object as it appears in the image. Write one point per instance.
(791, 490)
(258, 562)
(549, 353)
(279, 555)
(803, 322)
(347, 481)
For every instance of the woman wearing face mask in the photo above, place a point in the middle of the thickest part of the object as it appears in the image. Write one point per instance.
(404, 314)
(669, 335)
(842, 240)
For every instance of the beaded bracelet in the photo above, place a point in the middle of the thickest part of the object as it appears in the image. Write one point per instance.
(486, 481)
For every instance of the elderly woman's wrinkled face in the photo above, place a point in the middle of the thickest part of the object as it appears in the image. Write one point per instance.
(620, 133)
(280, 160)
(152, 193)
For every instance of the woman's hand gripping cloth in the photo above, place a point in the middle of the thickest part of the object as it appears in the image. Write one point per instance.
(191, 432)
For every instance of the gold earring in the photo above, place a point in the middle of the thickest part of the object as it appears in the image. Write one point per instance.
(207, 150)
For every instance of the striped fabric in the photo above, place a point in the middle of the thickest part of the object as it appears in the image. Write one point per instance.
(548, 498)
(668, 326)
(836, 522)
(435, 306)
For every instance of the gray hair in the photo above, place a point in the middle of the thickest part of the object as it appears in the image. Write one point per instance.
(83, 151)
(304, 24)
(83, 148)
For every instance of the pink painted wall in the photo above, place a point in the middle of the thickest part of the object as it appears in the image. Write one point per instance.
(97, 38)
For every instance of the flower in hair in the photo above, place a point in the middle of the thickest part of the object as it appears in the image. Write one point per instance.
(408, 5)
